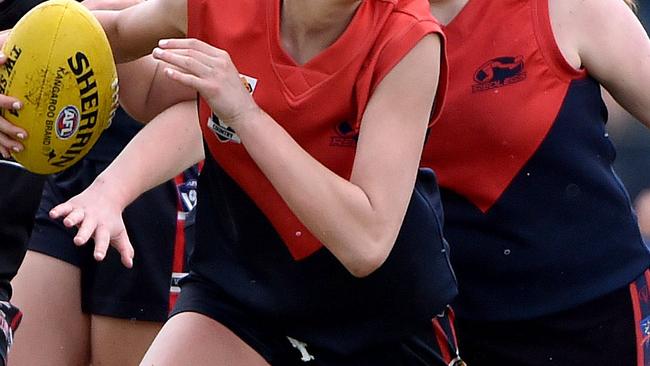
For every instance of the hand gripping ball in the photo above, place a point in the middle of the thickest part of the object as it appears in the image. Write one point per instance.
(60, 65)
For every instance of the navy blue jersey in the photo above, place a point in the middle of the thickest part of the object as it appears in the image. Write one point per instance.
(249, 245)
(535, 215)
(316, 299)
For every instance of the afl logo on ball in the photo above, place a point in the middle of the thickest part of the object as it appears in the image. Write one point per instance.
(67, 123)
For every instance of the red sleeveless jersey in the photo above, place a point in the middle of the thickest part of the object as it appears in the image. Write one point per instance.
(320, 103)
(510, 73)
(533, 208)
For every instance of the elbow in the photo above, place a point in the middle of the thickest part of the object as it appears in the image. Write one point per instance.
(366, 263)
(137, 113)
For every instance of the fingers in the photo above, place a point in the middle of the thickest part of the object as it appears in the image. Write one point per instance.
(102, 240)
(188, 80)
(8, 145)
(124, 247)
(10, 134)
(191, 43)
(7, 102)
(3, 38)
(74, 217)
(121, 242)
(86, 231)
(61, 210)
(192, 61)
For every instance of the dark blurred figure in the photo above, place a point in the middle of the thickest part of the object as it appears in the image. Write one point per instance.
(20, 193)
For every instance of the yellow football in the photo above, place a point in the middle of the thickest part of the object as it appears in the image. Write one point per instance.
(60, 65)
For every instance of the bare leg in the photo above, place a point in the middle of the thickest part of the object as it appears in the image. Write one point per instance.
(54, 331)
(120, 342)
(194, 339)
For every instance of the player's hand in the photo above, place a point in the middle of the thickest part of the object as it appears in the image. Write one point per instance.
(97, 216)
(211, 72)
(10, 135)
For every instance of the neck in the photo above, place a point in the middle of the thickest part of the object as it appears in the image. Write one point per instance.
(310, 26)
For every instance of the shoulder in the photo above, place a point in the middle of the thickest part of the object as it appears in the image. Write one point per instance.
(579, 25)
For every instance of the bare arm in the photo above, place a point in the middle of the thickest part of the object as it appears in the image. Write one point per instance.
(165, 147)
(145, 92)
(135, 31)
(606, 38)
(357, 220)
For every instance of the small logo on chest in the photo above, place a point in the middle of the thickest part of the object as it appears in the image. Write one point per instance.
(223, 132)
(499, 72)
(345, 136)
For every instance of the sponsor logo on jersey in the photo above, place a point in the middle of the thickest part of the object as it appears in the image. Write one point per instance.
(223, 132)
(499, 72)
(249, 83)
(345, 136)
(67, 123)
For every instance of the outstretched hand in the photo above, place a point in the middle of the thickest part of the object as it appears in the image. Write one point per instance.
(97, 217)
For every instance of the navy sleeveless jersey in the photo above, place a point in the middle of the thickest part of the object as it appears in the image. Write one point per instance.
(536, 218)
(249, 245)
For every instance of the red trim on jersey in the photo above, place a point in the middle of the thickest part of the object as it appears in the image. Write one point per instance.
(179, 242)
(178, 256)
(15, 322)
(548, 44)
(443, 341)
(636, 306)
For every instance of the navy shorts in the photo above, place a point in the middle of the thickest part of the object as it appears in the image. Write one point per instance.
(433, 344)
(611, 330)
(108, 288)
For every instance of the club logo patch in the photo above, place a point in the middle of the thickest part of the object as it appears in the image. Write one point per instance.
(499, 72)
(223, 132)
(345, 136)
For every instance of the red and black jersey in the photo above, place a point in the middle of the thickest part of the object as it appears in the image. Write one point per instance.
(248, 241)
(320, 104)
(534, 211)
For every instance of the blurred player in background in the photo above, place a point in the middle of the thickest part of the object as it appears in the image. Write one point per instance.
(551, 266)
(82, 312)
(20, 193)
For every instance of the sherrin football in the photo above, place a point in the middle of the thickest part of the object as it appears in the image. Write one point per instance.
(60, 65)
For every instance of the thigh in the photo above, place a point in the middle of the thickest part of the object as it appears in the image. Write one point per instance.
(54, 331)
(193, 339)
(120, 342)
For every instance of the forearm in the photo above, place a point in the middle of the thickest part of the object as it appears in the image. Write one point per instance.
(359, 219)
(336, 211)
(169, 144)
